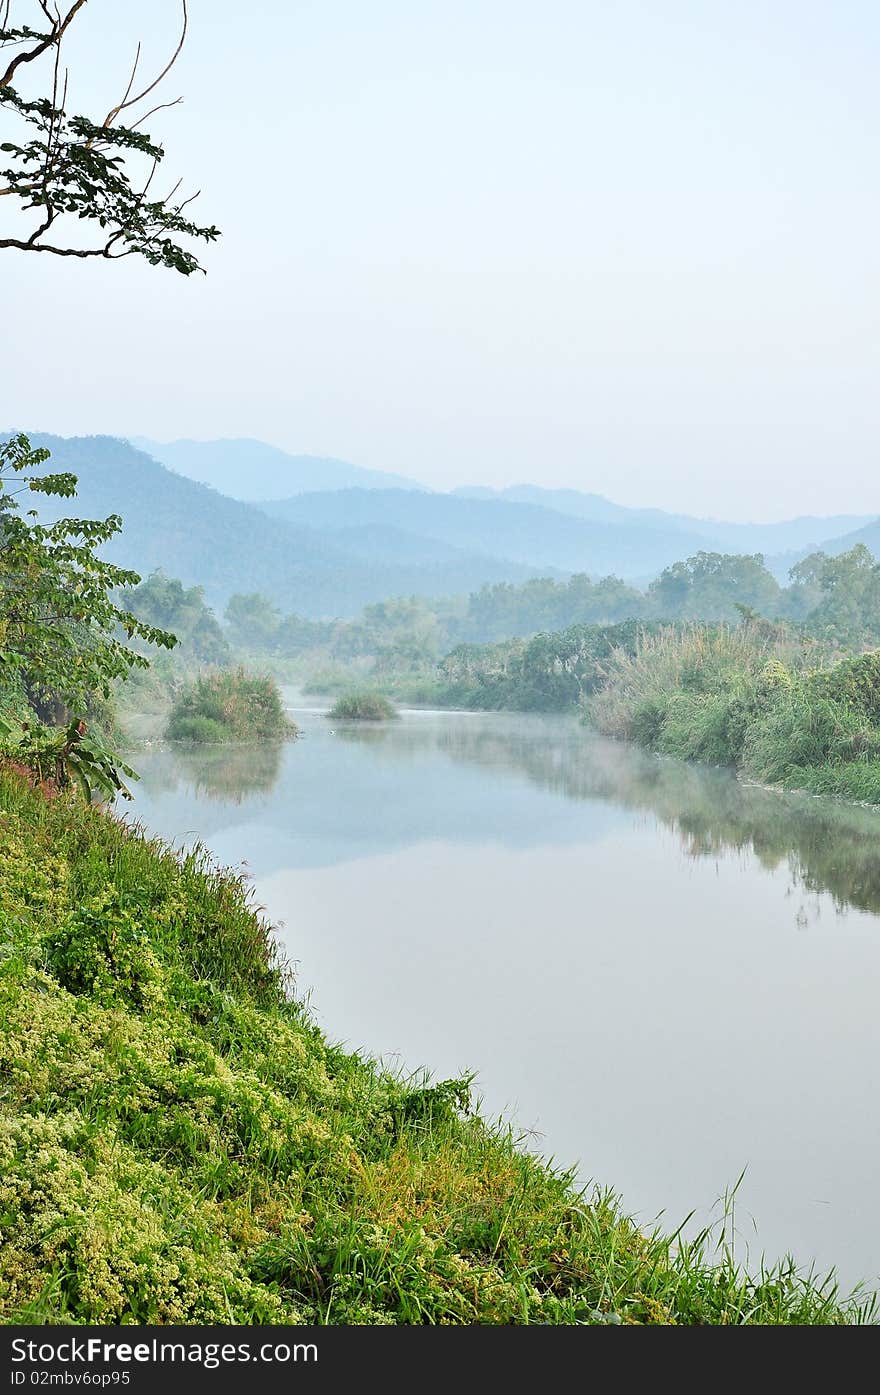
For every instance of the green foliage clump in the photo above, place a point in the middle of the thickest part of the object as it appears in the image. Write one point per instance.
(837, 598)
(64, 641)
(197, 730)
(362, 707)
(231, 705)
(180, 1144)
(714, 586)
(753, 698)
(548, 673)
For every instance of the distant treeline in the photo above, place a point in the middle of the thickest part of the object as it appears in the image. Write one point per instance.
(551, 672)
(836, 599)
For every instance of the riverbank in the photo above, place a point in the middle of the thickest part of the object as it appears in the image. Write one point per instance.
(779, 707)
(182, 1144)
(759, 703)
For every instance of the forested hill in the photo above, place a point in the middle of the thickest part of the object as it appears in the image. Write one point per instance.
(328, 554)
(206, 539)
(527, 533)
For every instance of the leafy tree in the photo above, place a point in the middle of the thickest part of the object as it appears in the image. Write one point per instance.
(713, 586)
(548, 673)
(253, 622)
(164, 601)
(97, 171)
(296, 634)
(839, 596)
(503, 610)
(63, 637)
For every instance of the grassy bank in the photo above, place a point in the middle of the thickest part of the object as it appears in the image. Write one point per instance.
(230, 705)
(750, 699)
(179, 1143)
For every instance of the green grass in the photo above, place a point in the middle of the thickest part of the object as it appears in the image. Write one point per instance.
(750, 700)
(179, 1142)
(362, 706)
(230, 705)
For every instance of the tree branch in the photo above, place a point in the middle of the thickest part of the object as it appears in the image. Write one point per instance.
(59, 26)
(43, 247)
(73, 167)
(127, 100)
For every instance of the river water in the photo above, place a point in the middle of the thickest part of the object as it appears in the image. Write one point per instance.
(660, 976)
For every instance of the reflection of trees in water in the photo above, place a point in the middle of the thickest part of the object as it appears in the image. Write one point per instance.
(233, 773)
(230, 774)
(827, 847)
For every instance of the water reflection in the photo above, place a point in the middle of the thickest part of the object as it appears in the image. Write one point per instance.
(233, 774)
(828, 846)
(613, 941)
(309, 792)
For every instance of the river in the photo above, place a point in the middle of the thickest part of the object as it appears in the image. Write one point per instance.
(660, 976)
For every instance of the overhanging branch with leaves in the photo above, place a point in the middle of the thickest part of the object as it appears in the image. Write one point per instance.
(100, 173)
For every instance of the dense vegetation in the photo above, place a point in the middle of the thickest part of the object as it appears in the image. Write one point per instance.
(836, 599)
(180, 1144)
(230, 705)
(550, 673)
(751, 698)
(65, 641)
(362, 707)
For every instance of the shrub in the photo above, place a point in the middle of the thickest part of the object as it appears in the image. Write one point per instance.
(195, 729)
(855, 682)
(362, 707)
(231, 705)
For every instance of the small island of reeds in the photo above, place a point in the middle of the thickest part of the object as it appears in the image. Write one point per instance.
(230, 706)
(363, 707)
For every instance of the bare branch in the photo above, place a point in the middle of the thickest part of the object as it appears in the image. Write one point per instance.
(59, 27)
(137, 59)
(129, 101)
(160, 106)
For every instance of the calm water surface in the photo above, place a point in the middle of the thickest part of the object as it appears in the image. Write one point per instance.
(662, 975)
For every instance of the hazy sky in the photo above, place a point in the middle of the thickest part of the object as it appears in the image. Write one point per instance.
(626, 247)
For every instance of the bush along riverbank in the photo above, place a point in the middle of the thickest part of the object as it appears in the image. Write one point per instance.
(230, 706)
(180, 1143)
(749, 698)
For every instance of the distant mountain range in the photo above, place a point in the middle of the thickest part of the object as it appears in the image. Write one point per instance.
(793, 535)
(327, 552)
(206, 539)
(526, 533)
(255, 472)
(252, 470)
